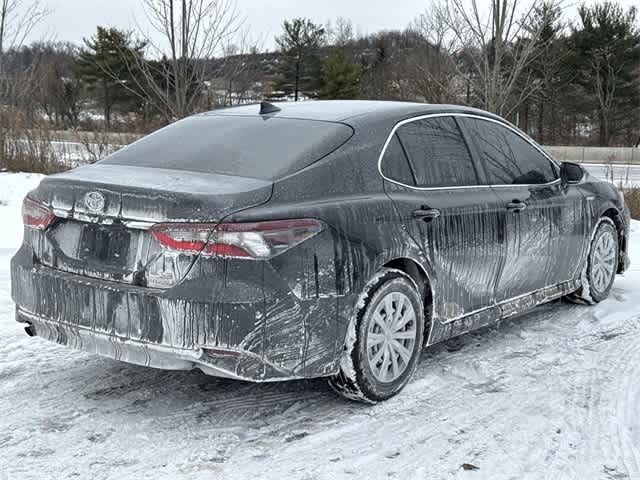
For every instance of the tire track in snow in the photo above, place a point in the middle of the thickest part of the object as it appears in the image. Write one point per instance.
(605, 398)
(626, 400)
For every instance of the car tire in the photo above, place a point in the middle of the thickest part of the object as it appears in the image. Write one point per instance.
(602, 265)
(384, 341)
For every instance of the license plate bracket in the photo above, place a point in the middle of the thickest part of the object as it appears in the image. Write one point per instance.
(105, 244)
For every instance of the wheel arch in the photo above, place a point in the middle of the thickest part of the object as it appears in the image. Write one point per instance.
(419, 275)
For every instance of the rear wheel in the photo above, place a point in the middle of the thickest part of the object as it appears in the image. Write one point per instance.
(385, 339)
(602, 264)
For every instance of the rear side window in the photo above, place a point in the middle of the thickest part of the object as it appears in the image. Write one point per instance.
(256, 147)
(395, 165)
(438, 153)
(509, 158)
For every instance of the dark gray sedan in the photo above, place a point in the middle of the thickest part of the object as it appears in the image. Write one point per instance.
(321, 239)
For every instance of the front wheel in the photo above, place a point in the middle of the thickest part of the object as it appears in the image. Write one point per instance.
(384, 341)
(602, 264)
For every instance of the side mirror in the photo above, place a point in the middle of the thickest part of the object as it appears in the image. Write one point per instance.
(571, 173)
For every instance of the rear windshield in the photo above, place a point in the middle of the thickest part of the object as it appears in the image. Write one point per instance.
(256, 147)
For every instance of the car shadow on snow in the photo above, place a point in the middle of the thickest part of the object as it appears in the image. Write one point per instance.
(201, 399)
(197, 398)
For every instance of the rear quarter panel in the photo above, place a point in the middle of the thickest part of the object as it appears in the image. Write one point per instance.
(346, 192)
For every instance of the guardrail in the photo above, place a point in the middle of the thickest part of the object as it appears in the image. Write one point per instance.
(603, 155)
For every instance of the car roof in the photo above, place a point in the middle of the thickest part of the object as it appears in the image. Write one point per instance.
(346, 110)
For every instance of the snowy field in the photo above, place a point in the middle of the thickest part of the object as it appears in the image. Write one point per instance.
(627, 175)
(554, 394)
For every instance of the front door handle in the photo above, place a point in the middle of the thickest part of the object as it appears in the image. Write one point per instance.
(516, 206)
(426, 214)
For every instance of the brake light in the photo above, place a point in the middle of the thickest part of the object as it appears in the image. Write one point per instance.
(259, 240)
(36, 215)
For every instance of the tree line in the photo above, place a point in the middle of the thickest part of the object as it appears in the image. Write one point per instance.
(562, 80)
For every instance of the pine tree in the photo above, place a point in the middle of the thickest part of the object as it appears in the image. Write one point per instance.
(607, 55)
(104, 65)
(340, 77)
(300, 68)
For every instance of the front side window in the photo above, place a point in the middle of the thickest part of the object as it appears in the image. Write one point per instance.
(438, 153)
(509, 158)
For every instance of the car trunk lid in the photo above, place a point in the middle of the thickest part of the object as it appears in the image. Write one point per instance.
(105, 212)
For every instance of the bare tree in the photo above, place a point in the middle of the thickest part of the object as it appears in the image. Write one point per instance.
(432, 65)
(496, 47)
(57, 90)
(191, 32)
(18, 18)
(237, 73)
(340, 33)
(385, 72)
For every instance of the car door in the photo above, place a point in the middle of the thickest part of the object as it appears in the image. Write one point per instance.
(439, 194)
(544, 220)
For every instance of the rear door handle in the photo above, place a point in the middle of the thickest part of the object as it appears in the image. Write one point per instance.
(426, 214)
(516, 206)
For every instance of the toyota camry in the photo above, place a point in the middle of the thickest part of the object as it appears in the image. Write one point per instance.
(320, 239)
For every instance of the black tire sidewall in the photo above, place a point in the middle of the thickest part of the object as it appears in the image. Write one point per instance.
(602, 227)
(371, 388)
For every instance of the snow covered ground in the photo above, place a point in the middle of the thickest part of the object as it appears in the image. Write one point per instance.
(554, 394)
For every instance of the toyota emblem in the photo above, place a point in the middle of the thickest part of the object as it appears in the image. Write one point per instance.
(94, 201)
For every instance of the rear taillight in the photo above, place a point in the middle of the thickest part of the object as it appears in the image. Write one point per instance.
(36, 215)
(260, 240)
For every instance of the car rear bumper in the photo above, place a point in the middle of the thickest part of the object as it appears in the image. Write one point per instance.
(234, 364)
(260, 334)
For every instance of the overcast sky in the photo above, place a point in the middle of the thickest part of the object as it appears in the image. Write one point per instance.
(72, 20)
